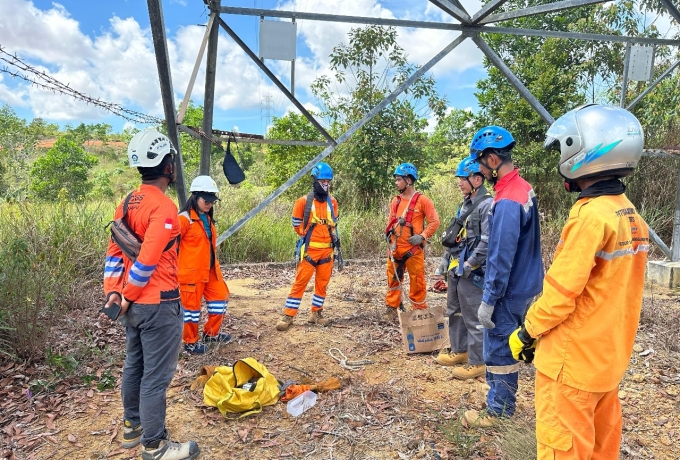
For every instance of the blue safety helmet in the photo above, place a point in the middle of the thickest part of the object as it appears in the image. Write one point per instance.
(406, 169)
(490, 137)
(467, 167)
(322, 172)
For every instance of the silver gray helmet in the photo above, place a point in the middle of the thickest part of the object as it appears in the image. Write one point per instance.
(596, 140)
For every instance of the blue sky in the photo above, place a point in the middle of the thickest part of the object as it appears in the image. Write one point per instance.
(104, 49)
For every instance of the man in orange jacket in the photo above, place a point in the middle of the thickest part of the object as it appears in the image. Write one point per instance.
(583, 326)
(147, 291)
(314, 220)
(199, 271)
(406, 235)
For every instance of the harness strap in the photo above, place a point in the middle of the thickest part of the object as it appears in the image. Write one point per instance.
(407, 215)
(316, 245)
(330, 224)
(401, 264)
(325, 260)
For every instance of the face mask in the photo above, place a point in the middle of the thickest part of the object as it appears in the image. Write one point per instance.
(320, 192)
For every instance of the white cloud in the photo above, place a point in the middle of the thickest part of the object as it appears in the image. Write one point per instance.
(117, 66)
(10, 95)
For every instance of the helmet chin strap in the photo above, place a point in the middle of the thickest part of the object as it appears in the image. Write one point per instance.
(570, 185)
(494, 171)
(474, 189)
(401, 190)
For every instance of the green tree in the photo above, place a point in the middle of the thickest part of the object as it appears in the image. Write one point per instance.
(560, 73)
(451, 138)
(366, 70)
(17, 144)
(40, 129)
(62, 172)
(282, 161)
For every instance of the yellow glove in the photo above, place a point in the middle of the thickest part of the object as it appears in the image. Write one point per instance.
(522, 345)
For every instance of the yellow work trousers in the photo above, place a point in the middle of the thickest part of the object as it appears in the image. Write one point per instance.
(575, 424)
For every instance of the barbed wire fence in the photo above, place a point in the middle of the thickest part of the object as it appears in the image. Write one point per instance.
(24, 71)
(21, 69)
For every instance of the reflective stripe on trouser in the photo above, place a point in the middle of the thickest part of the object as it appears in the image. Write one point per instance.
(575, 424)
(216, 294)
(415, 266)
(462, 302)
(303, 274)
(152, 347)
(501, 367)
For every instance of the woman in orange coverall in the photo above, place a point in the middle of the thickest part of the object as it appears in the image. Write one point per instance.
(584, 324)
(199, 270)
(318, 239)
(406, 234)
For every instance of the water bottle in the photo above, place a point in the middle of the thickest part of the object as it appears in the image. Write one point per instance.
(410, 339)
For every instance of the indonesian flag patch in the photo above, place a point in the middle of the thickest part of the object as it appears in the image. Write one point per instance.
(168, 224)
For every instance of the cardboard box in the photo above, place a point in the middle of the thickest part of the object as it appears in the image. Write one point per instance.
(424, 330)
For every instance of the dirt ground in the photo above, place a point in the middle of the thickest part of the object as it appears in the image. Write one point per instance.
(399, 407)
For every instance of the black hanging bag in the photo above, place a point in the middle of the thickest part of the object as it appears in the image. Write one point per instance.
(232, 170)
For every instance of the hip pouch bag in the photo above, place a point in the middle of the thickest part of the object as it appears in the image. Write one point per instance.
(125, 238)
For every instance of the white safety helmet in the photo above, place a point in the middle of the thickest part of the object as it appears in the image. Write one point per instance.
(596, 140)
(148, 148)
(204, 184)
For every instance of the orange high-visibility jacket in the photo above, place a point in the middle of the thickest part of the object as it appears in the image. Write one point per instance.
(320, 234)
(152, 278)
(424, 210)
(194, 250)
(592, 295)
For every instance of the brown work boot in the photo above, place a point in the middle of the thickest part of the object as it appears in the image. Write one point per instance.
(449, 358)
(316, 317)
(284, 323)
(469, 371)
(482, 419)
(390, 314)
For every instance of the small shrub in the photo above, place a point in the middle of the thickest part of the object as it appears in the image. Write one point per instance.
(465, 441)
(64, 167)
(518, 439)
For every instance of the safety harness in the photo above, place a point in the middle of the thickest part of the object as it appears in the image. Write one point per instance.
(403, 221)
(304, 242)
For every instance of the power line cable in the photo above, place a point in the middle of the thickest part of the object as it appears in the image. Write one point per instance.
(47, 82)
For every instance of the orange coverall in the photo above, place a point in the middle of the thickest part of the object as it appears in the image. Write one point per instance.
(586, 319)
(152, 278)
(197, 280)
(415, 265)
(320, 248)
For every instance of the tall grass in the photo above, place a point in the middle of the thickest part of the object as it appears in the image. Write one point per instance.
(49, 256)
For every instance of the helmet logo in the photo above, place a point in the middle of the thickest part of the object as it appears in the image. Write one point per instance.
(135, 158)
(593, 154)
(633, 130)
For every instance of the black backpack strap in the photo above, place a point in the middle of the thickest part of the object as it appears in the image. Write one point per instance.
(476, 218)
(125, 204)
(308, 209)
